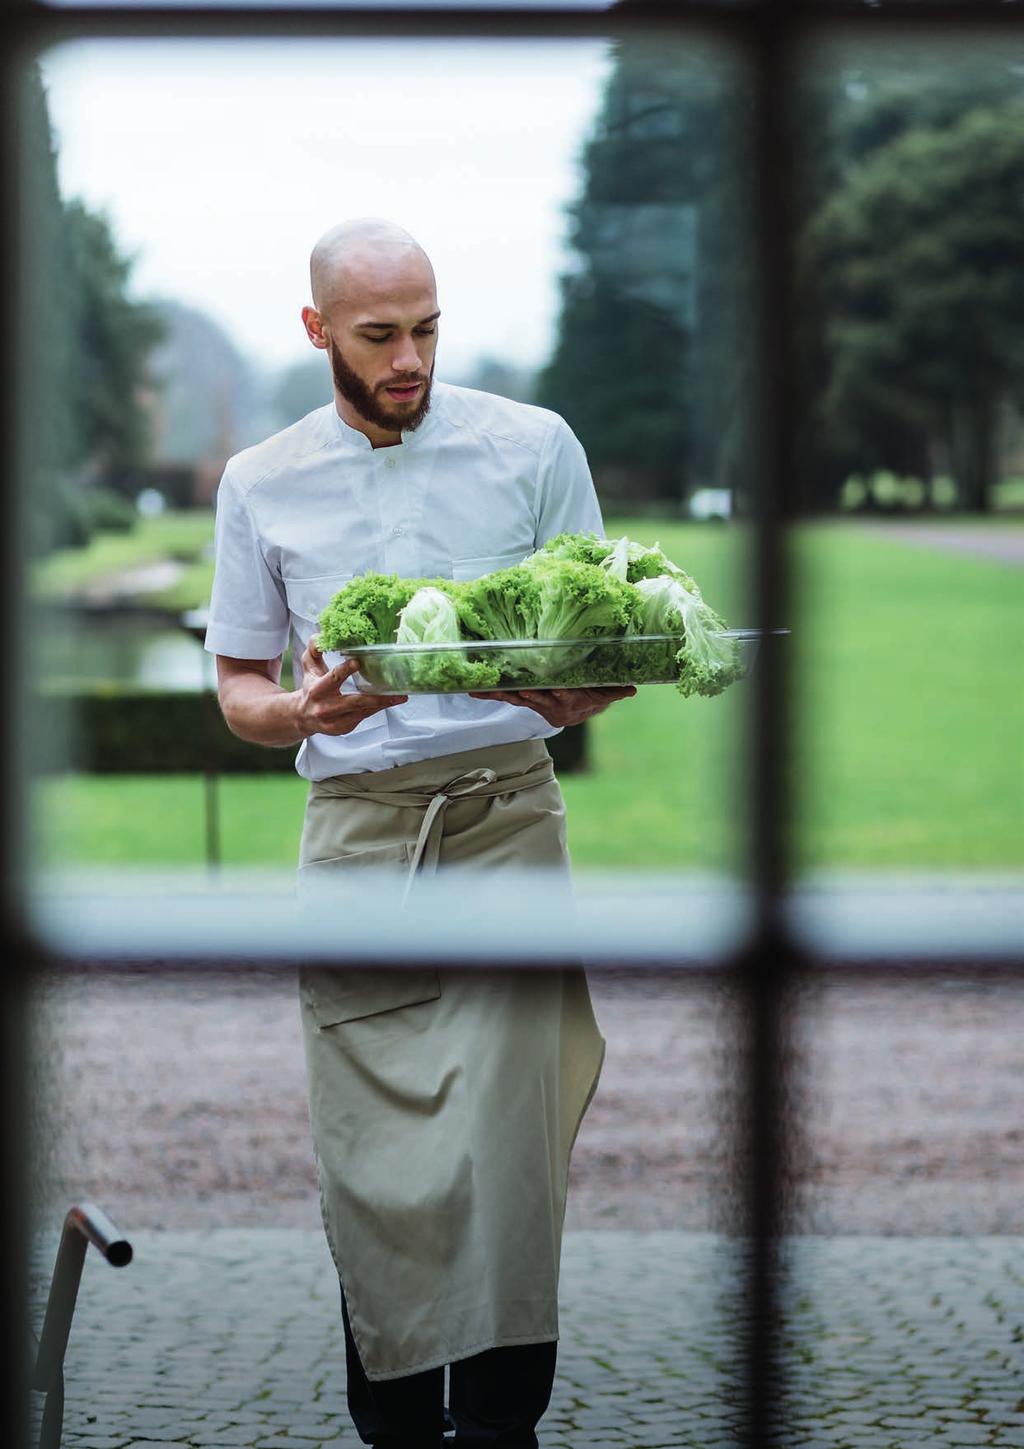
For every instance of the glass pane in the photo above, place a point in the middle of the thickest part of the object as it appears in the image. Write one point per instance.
(907, 712)
(588, 235)
(904, 1269)
(908, 707)
(590, 258)
(179, 1105)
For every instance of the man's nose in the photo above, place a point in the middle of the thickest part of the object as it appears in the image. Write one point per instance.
(406, 358)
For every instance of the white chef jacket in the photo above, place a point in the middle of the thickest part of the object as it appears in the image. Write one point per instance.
(481, 483)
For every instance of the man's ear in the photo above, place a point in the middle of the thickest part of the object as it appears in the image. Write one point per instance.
(314, 327)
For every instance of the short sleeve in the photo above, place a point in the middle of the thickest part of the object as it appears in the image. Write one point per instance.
(248, 607)
(566, 498)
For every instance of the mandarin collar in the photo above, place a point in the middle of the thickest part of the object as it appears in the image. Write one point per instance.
(353, 438)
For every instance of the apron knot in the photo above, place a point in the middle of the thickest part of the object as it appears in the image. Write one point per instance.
(469, 782)
(482, 781)
(428, 843)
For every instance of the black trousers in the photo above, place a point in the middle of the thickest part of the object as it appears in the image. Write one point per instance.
(495, 1399)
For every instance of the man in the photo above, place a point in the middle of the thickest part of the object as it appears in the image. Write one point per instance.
(443, 1105)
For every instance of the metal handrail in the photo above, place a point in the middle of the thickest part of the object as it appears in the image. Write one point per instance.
(85, 1223)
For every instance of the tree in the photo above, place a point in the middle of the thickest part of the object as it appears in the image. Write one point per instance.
(301, 388)
(652, 365)
(507, 379)
(919, 255)
(114, 336)
(84, 343)
(44, 353)
(207, 400)
(848, 113)
(648, 357)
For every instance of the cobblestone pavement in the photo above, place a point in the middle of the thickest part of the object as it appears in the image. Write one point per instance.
(231, 1338)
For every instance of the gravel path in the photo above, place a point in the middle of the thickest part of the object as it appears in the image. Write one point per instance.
(994, 541)
(180, 1103)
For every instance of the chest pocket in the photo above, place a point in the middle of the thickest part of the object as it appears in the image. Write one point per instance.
(472, 568)
(307, 598)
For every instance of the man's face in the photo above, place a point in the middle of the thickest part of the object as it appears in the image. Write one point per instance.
(381, 337)
(396, 403)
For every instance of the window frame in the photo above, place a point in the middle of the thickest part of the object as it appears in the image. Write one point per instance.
(768, 36)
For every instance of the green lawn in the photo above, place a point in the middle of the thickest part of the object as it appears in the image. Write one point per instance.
(909, 706)
(180, 534)
(907, 712)
(1010, 493)
(908, 732)
(159, 820)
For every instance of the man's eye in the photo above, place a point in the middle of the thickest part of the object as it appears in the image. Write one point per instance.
(425, 331)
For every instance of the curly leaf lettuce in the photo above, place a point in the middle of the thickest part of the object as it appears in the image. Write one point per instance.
(707, 662)
(500, 605)
(576, 547)
(630, 562)
(576, 586)
(430, 617)
(365, 611)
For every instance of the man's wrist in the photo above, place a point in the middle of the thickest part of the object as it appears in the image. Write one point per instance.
(297, 715)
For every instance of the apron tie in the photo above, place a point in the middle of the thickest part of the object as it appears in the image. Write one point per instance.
(426, 853)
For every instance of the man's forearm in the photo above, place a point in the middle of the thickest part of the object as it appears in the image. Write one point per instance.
(260, 711)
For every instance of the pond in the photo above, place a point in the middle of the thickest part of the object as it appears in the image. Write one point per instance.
(132, 648)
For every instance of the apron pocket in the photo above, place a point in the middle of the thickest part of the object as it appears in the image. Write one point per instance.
(339, 995)
(345, 995)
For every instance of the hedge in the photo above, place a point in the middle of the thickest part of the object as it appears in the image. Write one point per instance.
(164, 732)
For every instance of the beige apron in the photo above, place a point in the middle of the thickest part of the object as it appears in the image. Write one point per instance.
(444, 1104)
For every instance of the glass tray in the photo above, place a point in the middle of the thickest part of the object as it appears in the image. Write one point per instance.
(528, 663)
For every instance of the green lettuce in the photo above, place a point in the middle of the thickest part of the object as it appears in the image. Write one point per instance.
(577, 547)
(576, 600)
(500, 605)
(576, 586)
(707, 662)
(430, 617)
(365, 611)
(632, 562)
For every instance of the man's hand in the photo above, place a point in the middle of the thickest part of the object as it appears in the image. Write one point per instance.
(561, 706)
(320, 708)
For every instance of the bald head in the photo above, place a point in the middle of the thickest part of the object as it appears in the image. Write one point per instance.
(375, 314)
(367, 252)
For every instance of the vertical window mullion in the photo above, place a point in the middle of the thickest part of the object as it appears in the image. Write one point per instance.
(767, 965)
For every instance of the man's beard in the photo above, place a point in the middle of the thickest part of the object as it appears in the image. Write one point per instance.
(366, 402)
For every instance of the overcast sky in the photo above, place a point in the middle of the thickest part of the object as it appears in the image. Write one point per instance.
(220, 163)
